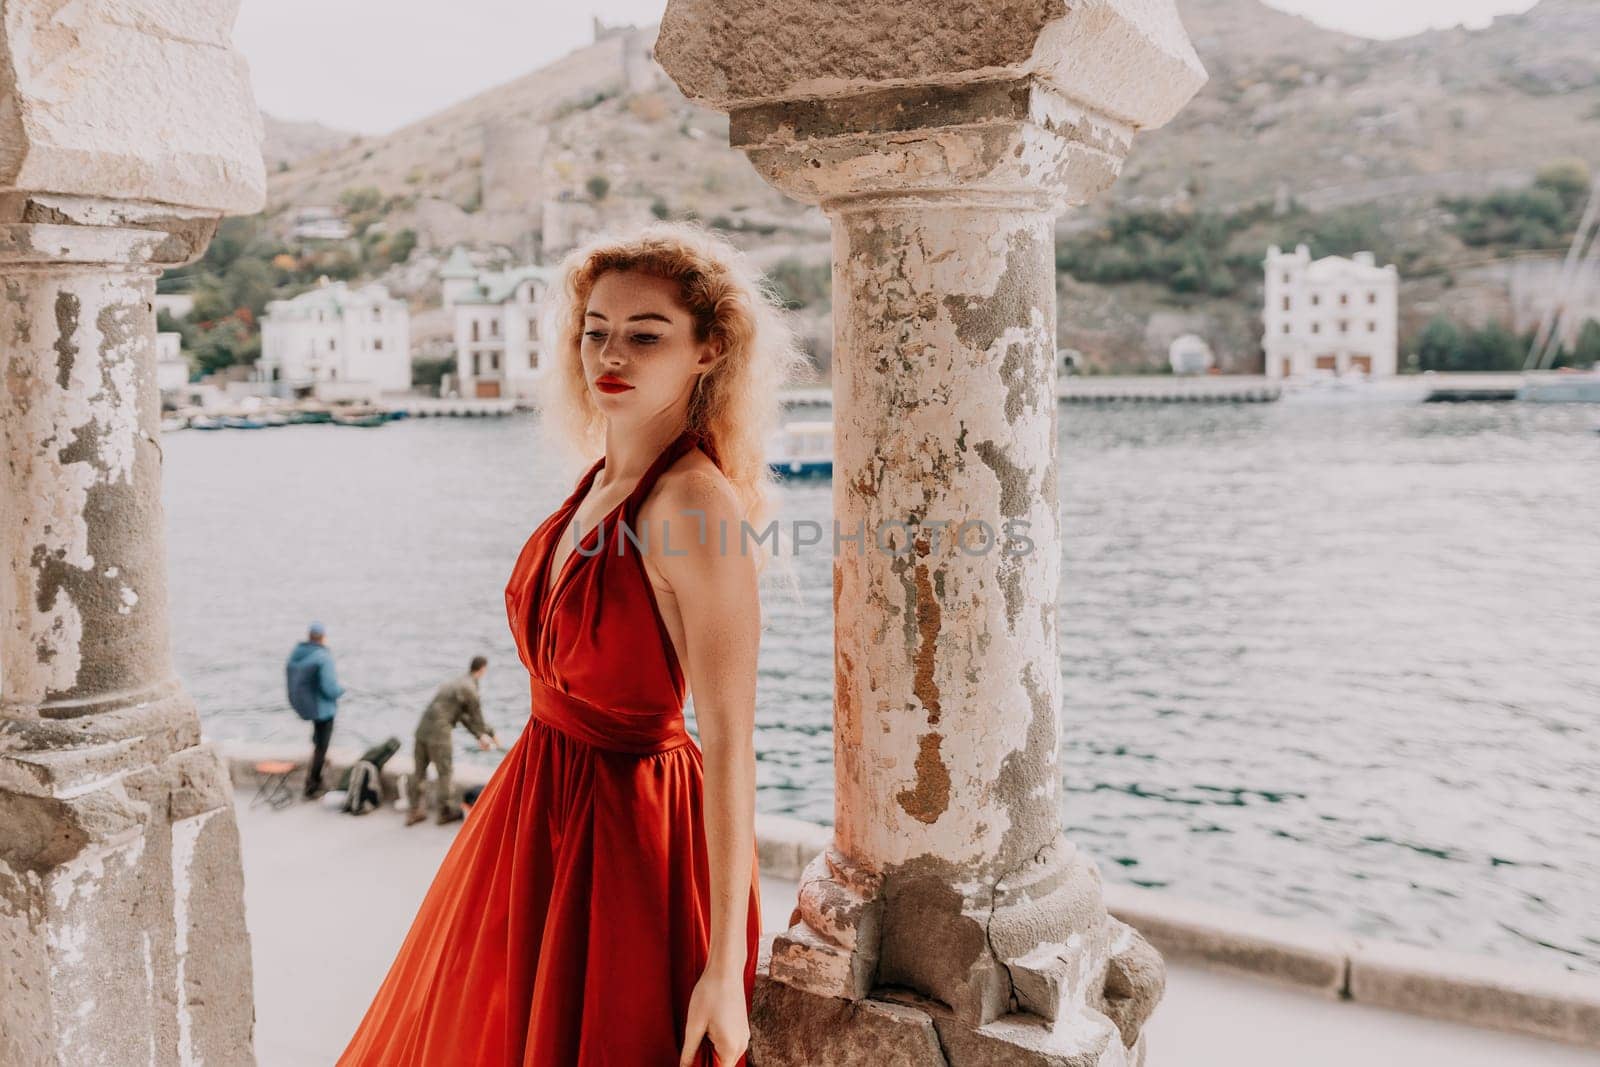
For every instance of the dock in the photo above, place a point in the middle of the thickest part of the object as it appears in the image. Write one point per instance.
(1131, 388)
(1169, 389)
(423, 407)
(1468, 388)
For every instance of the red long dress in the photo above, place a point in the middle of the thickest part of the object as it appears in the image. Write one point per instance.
(570, 920)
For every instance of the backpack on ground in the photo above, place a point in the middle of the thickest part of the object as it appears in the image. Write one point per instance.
(362, 781)
(365, 792)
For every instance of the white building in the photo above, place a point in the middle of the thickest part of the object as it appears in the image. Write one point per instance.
(498, 347)
(1335, 314)
(1190, 354)
(337, 342)
(318, 224)
(177, 305)
(172, 370)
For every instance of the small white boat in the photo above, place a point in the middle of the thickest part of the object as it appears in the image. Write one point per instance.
(1322, 385)
(173, 422)
(204, 422)
(803, 449)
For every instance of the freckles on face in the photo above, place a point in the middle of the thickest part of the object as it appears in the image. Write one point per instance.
(635, 331)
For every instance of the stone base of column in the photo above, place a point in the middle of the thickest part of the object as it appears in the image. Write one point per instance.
(791, 1027)
(121, 895)
(924, 963)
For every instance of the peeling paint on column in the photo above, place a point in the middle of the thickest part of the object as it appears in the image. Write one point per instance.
(926, 655)
(66, 331)
(97, 739)
(949, 326)
(74, 431)
(931, 795)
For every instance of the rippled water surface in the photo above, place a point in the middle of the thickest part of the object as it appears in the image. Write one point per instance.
(1327, 661)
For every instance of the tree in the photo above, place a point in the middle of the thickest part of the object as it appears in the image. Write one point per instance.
(358, 200)
(401, 246)
(1492, 348)
(1569, 179)
(1586, 353)
(250, 284)
(1437, 344)
(598, 186)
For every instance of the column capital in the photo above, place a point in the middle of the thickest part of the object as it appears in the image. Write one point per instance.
(1016, 103)
(147, 103)
(39, 229)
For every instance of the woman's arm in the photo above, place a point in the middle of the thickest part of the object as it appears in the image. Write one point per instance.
(718, 599)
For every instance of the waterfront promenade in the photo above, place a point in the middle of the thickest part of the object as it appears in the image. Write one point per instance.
(328, 897)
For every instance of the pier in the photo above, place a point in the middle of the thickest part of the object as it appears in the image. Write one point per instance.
(423, 407)
(1167, 389)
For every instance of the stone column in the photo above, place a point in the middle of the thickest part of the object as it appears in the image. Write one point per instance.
(950, 922)
(124, 135)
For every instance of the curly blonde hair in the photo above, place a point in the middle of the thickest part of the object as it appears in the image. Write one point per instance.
(737, 404)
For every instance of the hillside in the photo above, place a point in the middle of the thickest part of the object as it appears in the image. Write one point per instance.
(1334, 118)
(1360, 138)
(287, 143)
(1340, 120)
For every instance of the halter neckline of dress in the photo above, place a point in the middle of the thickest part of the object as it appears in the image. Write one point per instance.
(546, 595)
(567, 511)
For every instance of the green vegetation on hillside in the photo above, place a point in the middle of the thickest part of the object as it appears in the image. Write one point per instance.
(1544, 215)
(1444, 346)
(800, 285)
(245, 266)
(1220, 254)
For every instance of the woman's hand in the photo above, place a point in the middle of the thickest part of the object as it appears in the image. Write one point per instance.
(717, 1010)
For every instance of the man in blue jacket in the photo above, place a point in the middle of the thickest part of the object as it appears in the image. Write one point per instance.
(314, 693)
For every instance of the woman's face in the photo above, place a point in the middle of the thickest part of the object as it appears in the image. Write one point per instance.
(637, 333)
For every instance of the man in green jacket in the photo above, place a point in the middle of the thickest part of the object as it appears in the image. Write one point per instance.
(455, 702)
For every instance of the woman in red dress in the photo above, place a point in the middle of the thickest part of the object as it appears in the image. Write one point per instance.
(600, 906)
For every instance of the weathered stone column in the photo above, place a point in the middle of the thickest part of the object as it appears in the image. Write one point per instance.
(950, 921)
(125, 132)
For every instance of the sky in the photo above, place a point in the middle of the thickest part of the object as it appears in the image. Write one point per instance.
(370, 67)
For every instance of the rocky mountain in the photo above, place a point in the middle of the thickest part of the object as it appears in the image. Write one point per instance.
(1337, 119)
(287, 143)
(1292, 112)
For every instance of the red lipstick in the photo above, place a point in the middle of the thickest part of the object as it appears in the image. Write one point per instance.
(610, 383)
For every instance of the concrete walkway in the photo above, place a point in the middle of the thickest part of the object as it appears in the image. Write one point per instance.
(329, 897)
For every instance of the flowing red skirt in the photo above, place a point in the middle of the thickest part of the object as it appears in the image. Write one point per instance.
(567, 925)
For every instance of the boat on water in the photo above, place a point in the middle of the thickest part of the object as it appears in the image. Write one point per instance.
(243, 422)
(173, 422)
(205, 422)
(1322, 385)
(803, 449)
(360, 416)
